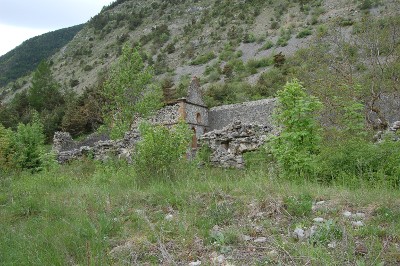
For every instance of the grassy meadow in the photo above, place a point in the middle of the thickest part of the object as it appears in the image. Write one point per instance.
(90, 213)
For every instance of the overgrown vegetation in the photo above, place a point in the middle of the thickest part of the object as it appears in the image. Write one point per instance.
(43, 97)
(129, 92)
(165, 209)
(103, 213)
(161, 151)
(298, 143)
(24, 148)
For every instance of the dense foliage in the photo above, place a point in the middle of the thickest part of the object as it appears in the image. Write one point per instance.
(298, 143)
(44, 96)
(161, 150)
(129, 92)
(24, 148)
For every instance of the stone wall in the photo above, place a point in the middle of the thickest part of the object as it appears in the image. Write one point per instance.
(168, 115)
(63, 141)
(229, 144)
(67, 150)
(197, 117)
(194, 93)
(100, 147)
(255, 112)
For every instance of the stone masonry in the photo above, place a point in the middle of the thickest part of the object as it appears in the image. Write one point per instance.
(229, 130)
(229, 144)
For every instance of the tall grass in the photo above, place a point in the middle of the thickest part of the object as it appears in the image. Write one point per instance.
(89, 212)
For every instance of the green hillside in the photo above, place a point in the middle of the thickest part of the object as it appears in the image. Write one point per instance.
(25, 58)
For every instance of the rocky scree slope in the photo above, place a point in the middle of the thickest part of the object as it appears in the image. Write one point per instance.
(186, 38)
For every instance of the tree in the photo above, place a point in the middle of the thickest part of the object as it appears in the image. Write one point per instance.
(364, 68)
(299, 140)
(129, 92)
(45, 91)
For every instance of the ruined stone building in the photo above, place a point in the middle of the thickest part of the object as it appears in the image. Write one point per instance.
(229, 130)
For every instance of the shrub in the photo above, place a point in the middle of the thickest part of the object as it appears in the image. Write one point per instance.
(298, 143)
(259, 63)
(357, 159)
(327, 233)
(249, 38)
(27, 146)
(161, 150)
(267, 45)
(5, 145)
(304, 33)
(368, 4)
(274, 25)
(345, 22)
(202, 59)
(270, 82)
(284, 38)
(170, 48)
(228, 53)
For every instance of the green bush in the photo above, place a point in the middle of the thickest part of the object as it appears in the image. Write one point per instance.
(202, 59)
(27, 145)
(270, 82)
(227, 53)
(357, 159)
(284, 37)
(5, 146)
(267, 45)
(299, 140)
(249, 38)
(368, 4)
(327, 233)
(129, 92)
(232, 92)
(161, 150)
(274, 25)
(259, 63)
(304, 33)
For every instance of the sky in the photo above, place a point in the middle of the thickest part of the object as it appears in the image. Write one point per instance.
(24, 19)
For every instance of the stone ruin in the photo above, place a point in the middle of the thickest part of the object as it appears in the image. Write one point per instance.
(230, 143)
(229, 130)
(99, 147)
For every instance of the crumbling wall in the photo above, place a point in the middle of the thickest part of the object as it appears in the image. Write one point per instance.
(100, 147)
(168, 115)
(229, 144)
(98, 150)
(255, 112)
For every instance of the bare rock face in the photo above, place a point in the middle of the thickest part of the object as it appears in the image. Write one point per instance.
(229, 143)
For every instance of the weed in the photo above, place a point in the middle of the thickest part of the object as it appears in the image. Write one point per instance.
(298, 206)
(326, 233)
